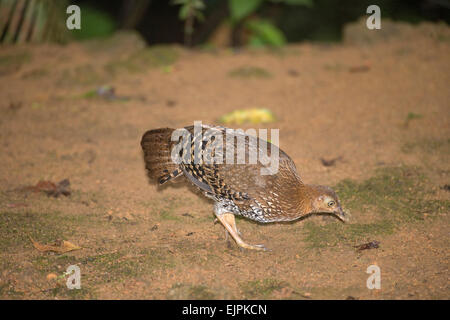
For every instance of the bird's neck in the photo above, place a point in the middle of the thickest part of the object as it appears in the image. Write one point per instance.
(305, 199)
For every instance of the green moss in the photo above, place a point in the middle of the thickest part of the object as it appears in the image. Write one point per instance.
(396, 195)
(118, 266)
(142, 60)
(181, 291)
(82, 75)
(168, 215)
(332, 234)
(261, 289)
(250, 72)
(429, 146)
(165, 208)
(114, 265)
(37, 73)
(16, 227)
(7, 291)
(50, 263)
(410, 117)
(62, 292)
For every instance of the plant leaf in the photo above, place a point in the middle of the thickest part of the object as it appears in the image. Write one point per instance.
(239, 9)
(266, 33)
(183, 13)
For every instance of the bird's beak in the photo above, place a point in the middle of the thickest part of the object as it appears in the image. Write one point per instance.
(343, 216)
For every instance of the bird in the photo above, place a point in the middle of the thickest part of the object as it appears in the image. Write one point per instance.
(237, 189)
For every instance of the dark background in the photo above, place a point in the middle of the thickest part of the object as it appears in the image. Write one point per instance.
(158, 20)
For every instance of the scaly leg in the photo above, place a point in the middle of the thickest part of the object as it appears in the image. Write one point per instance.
(228, 221)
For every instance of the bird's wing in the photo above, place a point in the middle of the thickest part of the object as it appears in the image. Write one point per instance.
(242, 182)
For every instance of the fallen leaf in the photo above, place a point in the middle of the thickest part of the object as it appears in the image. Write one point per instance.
(331, 162)
(369, 245)
(50, 188)
(51, 276)
(64, 246)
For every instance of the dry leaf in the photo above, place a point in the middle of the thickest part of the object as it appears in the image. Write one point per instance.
(64, 246)
(50, 188)
(52, 276)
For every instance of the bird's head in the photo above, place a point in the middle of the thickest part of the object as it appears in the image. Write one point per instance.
(325, 200)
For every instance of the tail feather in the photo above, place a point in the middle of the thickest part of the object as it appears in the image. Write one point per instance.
(157, 146)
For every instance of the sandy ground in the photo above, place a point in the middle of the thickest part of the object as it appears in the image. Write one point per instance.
(382, 107)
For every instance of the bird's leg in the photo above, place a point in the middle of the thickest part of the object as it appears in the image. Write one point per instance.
(226, 232)
(228, 221)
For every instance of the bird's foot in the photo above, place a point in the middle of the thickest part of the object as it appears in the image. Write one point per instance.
(228, 221)
(258, 247)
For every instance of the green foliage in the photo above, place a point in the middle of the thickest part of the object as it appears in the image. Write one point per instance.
(265, 33)
(189, 11)
(240, 9)
(95, 24)
(190, 7)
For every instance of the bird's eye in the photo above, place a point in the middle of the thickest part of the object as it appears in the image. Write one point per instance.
(331, 203)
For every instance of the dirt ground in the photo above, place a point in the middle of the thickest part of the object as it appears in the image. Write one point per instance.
(382, 107)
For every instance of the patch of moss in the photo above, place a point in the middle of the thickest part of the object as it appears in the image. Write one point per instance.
(181, 291)
(332, 234)
(165, 208)
(36, 73)
(16, 227)
(7, 291)
(118, 266)
(428, 146)
(168, 215)
(52, 263)
(142, 60)
(250, 72)
(396, 194)
(261, 289)
(83, 75)
(62, 292)
(410, 117)
(115, 265)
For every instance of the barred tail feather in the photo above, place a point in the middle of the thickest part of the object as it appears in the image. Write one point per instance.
(157, 147)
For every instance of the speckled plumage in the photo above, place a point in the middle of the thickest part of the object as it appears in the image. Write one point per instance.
(239, 189)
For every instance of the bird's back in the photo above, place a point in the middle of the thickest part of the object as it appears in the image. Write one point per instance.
(264, 198)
